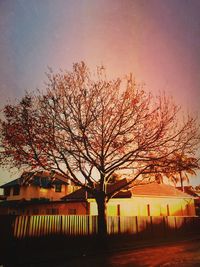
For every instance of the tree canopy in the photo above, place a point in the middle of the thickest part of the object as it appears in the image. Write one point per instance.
(87, 127)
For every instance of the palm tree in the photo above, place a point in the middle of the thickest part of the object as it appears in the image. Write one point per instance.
(181, 167)
(176, 169)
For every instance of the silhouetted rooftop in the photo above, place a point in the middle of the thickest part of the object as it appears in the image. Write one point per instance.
(148, 189)
(44, 181)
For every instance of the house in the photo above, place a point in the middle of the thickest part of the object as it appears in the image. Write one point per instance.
(151, 199)
(43, 195)
(37, 185)
(35, 193)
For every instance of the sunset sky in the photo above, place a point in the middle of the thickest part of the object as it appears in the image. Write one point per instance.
(157, 40)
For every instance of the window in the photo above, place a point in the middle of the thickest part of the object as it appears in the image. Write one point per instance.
(7, 191)
(16, 190)
(52, 211)
(58, 188)
(72, 211)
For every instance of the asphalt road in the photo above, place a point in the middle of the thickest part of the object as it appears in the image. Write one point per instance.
(182, 254)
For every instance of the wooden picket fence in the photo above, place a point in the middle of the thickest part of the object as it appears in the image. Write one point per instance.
(46, 225)
(21, 227)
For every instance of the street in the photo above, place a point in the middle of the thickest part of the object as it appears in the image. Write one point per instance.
(181, 254)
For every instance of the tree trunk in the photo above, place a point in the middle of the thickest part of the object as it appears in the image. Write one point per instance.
(102, 218)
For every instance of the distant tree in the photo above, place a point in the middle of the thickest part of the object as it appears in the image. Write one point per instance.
(197, 188)
(87, 128)
(178, 169)
(182, 167)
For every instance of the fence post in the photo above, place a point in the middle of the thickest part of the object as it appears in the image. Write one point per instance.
(151, 226)
(61, 225)
(136, 224)
(119, 225)
(164, 226)
(175, 224)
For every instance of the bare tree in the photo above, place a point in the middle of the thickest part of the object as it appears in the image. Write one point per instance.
(87, 128)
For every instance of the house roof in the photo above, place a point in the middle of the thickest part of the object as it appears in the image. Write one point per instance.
(158, 190)
(12, 183)
(151, 189)
(81, 194)
(37, 179)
